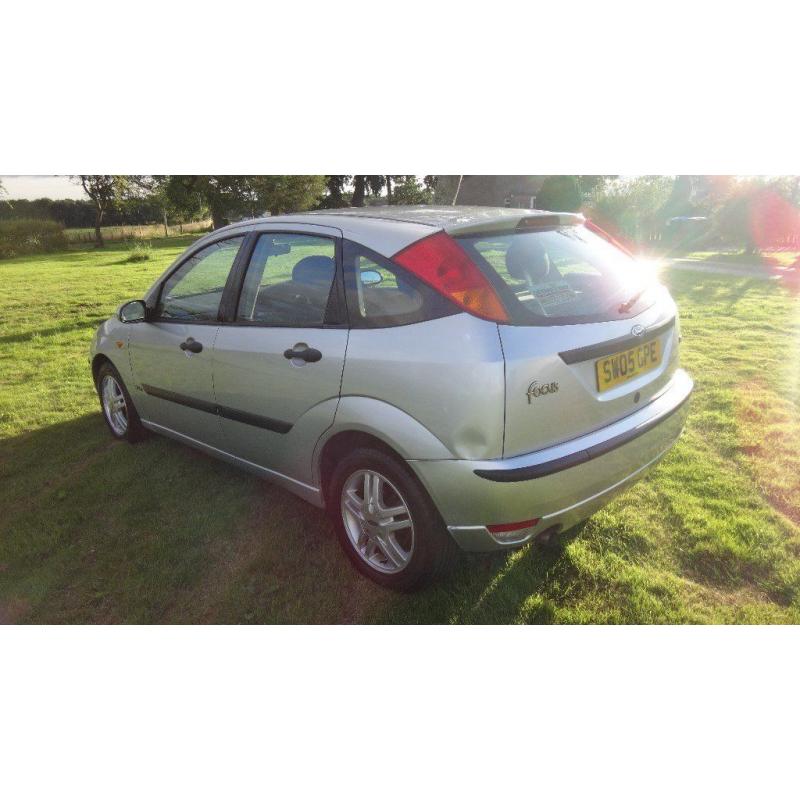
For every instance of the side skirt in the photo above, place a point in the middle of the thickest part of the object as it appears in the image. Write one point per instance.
(310, 494)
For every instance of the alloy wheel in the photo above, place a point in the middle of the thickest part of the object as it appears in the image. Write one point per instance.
(114, 406)
(377, 521)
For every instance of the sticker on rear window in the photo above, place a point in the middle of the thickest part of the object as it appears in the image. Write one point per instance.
(553, 293)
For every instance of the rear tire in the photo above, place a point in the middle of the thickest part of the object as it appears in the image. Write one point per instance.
(386, 523)
(118, 409)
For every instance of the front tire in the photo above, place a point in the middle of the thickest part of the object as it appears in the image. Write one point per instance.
(118, 409)
(386, 523)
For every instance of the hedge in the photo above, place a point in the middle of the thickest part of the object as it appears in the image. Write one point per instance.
(21, 237)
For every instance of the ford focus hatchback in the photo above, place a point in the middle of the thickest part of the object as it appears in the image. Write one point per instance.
(435, 378)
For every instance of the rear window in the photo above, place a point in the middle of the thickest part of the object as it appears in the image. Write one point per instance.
(565, 275)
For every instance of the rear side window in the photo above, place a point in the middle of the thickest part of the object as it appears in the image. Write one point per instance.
(566, 275)
(288, 280)
(381, 294)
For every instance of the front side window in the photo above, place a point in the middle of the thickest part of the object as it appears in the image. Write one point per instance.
(382, 294)
(194, 291)
(288, 280)
(566, 274)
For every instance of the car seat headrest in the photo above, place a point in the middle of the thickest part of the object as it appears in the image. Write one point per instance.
(314, 270)
(527, 260)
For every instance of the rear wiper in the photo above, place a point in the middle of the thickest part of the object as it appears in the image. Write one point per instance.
(628, 304)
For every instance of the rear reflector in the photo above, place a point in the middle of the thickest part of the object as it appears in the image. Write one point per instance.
(442, 264)
(506, 527)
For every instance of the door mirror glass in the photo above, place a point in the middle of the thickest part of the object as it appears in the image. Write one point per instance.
(370, 277)
(133, 311)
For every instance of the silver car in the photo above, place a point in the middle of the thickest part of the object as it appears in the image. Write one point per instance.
(434, 377)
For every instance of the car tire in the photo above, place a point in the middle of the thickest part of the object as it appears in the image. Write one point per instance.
(116, 405)
(395, 555)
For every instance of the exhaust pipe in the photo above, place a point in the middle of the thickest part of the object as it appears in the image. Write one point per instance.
(548, 536)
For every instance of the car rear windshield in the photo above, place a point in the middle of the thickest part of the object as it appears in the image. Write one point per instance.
(561, 275)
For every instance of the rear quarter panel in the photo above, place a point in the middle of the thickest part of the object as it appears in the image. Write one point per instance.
(445, 374)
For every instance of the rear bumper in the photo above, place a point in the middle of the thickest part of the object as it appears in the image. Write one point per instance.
(560, 485)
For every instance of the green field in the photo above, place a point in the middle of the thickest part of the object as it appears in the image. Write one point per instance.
(93, 530)
(777, 258)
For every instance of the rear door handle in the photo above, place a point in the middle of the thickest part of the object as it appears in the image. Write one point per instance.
(303, 352)
(191, 345)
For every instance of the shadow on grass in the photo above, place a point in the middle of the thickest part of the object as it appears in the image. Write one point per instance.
(18, 338)
(96, 530)
(522, 585)
(705, 289)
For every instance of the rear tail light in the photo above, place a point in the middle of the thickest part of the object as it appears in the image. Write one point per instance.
(442, 264)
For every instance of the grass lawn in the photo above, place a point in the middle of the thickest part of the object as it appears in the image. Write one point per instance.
(93, 530)
(777, 258)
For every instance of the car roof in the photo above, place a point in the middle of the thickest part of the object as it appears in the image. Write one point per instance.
(388, 229)
(449, 218)
(384, 229)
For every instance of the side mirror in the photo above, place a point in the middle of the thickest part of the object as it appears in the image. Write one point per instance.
(371, 277)
(133, 311)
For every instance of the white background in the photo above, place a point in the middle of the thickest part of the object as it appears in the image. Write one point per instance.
(401, 88)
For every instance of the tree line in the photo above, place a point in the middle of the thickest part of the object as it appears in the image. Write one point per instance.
(749, 212)
(148, 199)
(81, 213)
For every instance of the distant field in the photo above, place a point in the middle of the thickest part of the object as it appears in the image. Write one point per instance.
(113, 233)
(94, 530)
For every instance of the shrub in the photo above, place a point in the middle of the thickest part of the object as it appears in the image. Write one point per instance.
(559, 193)
(141, 251)
(21, 237)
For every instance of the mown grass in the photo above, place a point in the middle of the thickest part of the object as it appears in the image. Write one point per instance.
(98, 531)
(774, 258)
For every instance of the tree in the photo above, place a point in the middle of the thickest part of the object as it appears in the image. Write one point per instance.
(335, 197)
(364, 185)
(104, 191)
(560, 193)
(280, 194)
(445, 188)
(229, 197)
(589, 183)
(759, 213)
(628, 208)
(410, 192)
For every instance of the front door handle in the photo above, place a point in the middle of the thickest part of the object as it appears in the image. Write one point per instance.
(303, 352)
(192, 345)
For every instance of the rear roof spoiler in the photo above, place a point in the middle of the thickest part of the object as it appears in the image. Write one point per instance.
(550, 221)
(541, 221)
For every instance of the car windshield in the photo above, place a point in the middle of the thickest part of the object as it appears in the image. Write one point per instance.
(566, 274)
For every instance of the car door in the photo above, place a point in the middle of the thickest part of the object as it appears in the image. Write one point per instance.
(171, 354)
(278, 361)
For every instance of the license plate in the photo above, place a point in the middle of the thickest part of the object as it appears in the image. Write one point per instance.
(627, 365)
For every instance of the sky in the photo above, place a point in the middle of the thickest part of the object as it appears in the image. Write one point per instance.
(32, 187)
